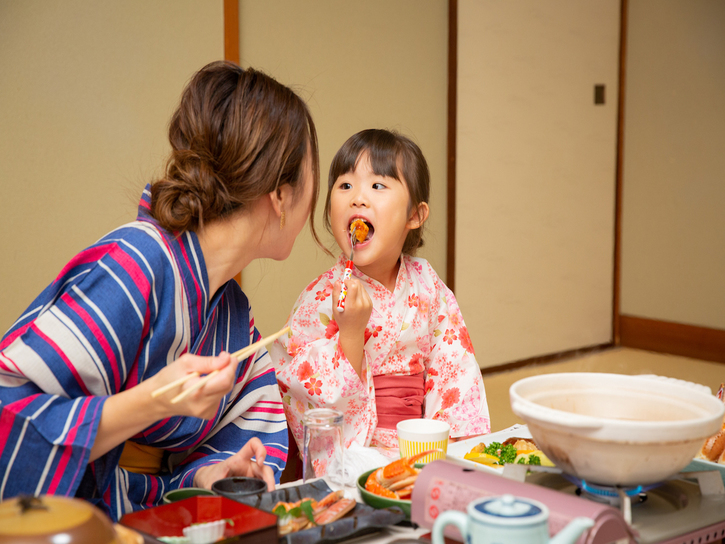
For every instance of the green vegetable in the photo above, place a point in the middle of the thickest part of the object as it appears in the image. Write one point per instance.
(534, 460)
(508, 454)
(522, 461)
(492, 448)
(306, 507)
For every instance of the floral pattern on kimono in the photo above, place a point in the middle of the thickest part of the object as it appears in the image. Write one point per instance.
(417, 328)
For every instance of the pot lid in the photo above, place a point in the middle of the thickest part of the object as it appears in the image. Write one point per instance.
(509, 510)
(27, 519)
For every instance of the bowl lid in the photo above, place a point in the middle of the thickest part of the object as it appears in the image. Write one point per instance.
(37, 519)
(510, 510)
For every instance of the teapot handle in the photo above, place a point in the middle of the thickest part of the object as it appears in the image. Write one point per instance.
(449, 517)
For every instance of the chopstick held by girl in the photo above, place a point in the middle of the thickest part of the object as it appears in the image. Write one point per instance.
(400, 349)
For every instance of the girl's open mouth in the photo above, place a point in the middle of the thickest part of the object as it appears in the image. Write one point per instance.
(363, 229)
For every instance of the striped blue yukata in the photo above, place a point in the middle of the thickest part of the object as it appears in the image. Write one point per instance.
(119, 312)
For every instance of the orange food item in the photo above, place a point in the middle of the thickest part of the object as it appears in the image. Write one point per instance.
(359, 229)
(714, 447)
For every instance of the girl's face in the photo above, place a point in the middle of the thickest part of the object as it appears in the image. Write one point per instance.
(382, 202)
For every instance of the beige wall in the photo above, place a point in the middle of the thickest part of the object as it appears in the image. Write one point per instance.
(673, 217)
(536, 175)
(359, 65)
(86, 92)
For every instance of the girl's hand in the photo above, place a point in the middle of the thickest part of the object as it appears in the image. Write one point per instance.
(239, 464)
(352, 321)
(204, 402)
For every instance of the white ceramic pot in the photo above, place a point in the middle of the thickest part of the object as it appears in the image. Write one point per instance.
(615, 429)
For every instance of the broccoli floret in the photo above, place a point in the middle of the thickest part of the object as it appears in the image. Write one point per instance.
(492, 448)
(522, 461)
(534, 460)
(508, 454)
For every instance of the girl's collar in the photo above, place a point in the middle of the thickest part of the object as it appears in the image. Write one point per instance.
(401, 279)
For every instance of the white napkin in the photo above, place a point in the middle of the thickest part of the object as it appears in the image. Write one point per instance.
(359, 459)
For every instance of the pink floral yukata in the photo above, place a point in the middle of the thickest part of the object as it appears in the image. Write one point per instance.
(418, 328)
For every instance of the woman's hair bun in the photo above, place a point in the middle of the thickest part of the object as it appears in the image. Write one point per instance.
(236, 136)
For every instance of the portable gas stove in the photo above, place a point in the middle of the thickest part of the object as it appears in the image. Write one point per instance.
(686, 509)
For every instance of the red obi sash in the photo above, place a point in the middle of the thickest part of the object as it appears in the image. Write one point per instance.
(398, 397)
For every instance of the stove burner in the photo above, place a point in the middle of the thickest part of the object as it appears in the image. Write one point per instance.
(609, 494)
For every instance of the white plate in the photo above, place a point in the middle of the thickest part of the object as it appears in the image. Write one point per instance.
(456, 450)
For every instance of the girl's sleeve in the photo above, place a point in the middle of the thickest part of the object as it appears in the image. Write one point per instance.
(454, 390)
(75, 346)
(313, 372)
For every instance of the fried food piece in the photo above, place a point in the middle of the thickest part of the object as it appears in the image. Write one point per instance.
(359, 229)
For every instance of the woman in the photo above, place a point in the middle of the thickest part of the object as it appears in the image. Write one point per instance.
(154, 301)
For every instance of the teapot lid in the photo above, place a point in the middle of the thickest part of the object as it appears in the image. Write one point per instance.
(510, 510)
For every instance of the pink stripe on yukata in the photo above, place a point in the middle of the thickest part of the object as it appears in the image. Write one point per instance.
(67, 451)
(97, 334)
(274, 452)
(81, 466)
(134, 270)
(268, 410)
(6, 367)
(65, 359)
(153, 492)
(8, 415)
(199, 294)
(10, 337)
(90, 255)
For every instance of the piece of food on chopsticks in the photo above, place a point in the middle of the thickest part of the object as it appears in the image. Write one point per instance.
(396, 480)
(522, 451)
(714, 447)
(306, 513)
(359, 229)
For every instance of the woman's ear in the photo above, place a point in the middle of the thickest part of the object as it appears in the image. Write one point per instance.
(281, 199)
(418, 216)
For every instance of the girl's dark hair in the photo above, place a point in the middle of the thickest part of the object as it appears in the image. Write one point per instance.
(236, 136)
(392, 155)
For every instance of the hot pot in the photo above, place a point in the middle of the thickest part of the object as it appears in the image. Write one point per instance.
(615, 429)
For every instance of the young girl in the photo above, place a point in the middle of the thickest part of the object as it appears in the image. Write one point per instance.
(399, 349)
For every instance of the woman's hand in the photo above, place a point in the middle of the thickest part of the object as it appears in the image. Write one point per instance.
(353, 320)
(131, 411)
(239, 464)
(204, 402)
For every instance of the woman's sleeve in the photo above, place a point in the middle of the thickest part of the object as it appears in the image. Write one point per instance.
(76, 345)
(313, 372)
(255, 412)
(454, 390)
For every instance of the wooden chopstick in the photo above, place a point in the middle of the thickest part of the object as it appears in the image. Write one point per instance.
(250, 349)
(169, 386)
(198, 385)
(239, 355)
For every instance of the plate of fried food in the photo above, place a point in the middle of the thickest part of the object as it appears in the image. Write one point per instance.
(491, 452)
(313, 512)
(391, 485)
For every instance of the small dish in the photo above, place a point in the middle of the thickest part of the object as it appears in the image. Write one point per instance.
(238, 486)
(184, 493)
(205, 533)
(376, 501)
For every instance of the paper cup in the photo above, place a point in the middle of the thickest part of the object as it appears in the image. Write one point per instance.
(418, 435)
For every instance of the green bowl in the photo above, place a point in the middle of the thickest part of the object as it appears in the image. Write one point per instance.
(376, 501)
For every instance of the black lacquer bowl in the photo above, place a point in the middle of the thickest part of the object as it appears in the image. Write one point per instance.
(362, 520)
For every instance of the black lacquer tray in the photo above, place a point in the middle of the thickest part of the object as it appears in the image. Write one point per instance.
(363, 519)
